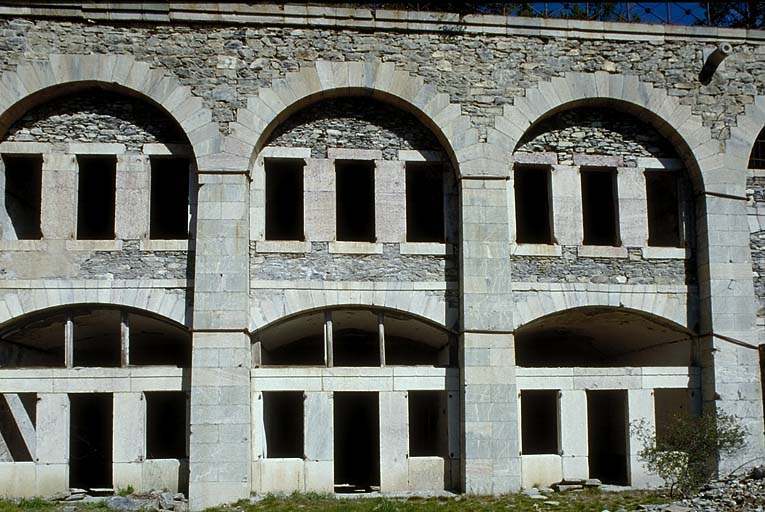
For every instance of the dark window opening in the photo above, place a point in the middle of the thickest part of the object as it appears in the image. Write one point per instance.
(169, 209)
(424, 202)
(355, 198)
(166, 425)
(18, 419)
(533, 217)
(669, 405)
(283, 418)
(427, 424)
(356, 339)
(157, 342)
(97, 338)
(757, 158)
(95, 197)
(539, 422)
(90, 440)
(357, 441)
(35, 344)
(307, 351)
(23, 185)
(607, 436)
(408, 352)
(599, 207)
(284, 199)
(663, 209)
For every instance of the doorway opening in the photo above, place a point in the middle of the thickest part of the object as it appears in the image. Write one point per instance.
(357, 442)
(607, 436)
(90, 440)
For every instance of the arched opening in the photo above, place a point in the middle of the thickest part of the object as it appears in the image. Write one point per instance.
(353, 337)
(93, 336)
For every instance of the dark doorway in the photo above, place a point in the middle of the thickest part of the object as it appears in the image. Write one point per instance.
(90, 440)
(357, 442)
(607, 436)
(95, 197)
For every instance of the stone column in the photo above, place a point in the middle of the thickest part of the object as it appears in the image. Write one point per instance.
(129, 450)
(132, 204)
(319, 200)
(52, 443)
(319, 442)
(491, 455)
(59, 197)
(394, 441)
(632, 203)
(640, 406)
(390, 201)
(220, 449)
(730, 372)
(573, 434)
(567, 205)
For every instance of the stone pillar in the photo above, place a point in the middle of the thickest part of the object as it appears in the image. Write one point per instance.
(573, 434)
(640, 406)
(319, 200)
(59, 197)
(491, 455)
(319, 442)
(132, 204)
(390, 201)
(129, 449)
(220, 449)
(394, 441)
(730, 372)
(632, 202)
(567, 205)
(52, 443)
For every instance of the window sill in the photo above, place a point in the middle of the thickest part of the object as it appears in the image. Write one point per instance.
(23, 245)
(601, 251)
(535, 250)
(94, 245)
(668, 253)
(355, 248)
(164, 245)
(276, 246)
(426, 248)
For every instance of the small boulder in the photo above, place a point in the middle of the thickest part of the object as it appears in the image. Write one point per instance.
(757, 473)
(123, 503)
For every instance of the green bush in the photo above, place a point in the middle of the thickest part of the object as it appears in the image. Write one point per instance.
(685, 456)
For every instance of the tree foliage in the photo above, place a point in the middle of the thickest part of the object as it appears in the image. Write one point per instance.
(684, 455)
(736, 14)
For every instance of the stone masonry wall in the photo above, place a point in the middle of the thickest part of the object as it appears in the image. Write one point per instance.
(224, 64)
(756, 192)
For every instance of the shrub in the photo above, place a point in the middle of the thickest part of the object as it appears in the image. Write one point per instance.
(684, 457)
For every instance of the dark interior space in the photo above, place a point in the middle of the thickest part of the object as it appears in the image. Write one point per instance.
(354, 347)
(607, 436)
(296, 341)
(407, 352)
(663, 208)
(166, 425)
(26, 404)
(539, 422)
(34, 343)
(357, 441)
(158, 342)
(427, 424)
(97, 338)
(424, 202)
(533, 216)
(308, 351)
(23, 186)
(283, 418)
(169, 209)
(90, 440)
(599, 206)
(95, 197)
(355, 184)
(284, 199)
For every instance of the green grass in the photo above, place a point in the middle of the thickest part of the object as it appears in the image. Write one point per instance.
(579, 501)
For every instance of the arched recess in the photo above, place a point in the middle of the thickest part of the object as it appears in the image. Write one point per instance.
(35, 82)
(100, 335)
(351, 335)
(676, 122)
(744, 135)
(380, 80)
(603, 337)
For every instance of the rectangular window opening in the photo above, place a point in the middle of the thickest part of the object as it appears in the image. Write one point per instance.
(424, 202)
(539, 422)
(166, 421)
(284, 199)
(599, 206)
(283, 418)
(97, 338)
(18, 421)
(355, 200)
(23, 185)
(663, 209)
(607, 435)
(169, 209)
(355, 338)
(95, 197)
(90, 440)
(533, 216)
(427, 424)
(356, 424)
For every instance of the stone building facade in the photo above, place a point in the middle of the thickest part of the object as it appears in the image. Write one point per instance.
(259, 248)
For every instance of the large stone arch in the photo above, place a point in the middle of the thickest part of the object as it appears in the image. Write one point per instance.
(743, 136)
(693, 141)
(30, 83)
(380, 80)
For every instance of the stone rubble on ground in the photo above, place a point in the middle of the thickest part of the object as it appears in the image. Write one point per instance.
(154, 500)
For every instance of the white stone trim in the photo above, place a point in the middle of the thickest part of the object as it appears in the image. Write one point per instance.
(264, 284)
(598, 160)
(164, 245)
(578, 378)
(95, 148)
(354, 154)
(670, 253)
(285, 152)
(389, 378)
(426, 248)
(342, 247)
(12, 147)
(158, 149)
(517, 249)
(84, 380)
(415, 155)
(23, 245)
(601, 251)
(536, 158)
(282, 246)
(665, 164)
(93, 245)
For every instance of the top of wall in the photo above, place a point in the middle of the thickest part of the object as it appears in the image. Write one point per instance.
(360, 19)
